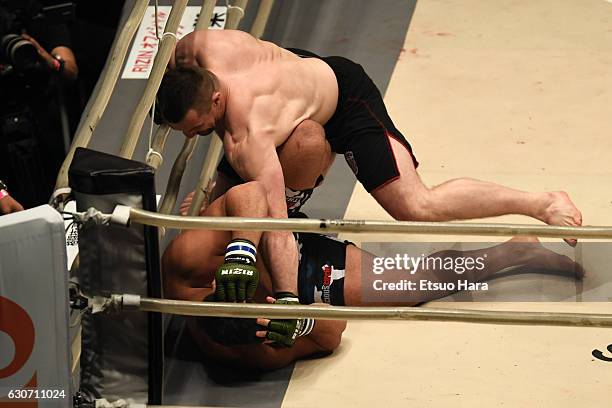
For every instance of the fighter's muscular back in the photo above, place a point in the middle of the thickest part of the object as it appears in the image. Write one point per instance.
(264, 93)
(271, 90)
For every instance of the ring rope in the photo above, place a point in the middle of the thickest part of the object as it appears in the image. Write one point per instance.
(169, 34)
(151, 151)
(362, 226)
(237, 8)
(242, 310)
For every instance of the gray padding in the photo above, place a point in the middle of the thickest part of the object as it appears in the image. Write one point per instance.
(114, 360)
(34, 278)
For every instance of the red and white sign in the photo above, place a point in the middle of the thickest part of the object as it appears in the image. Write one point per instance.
(144, 47)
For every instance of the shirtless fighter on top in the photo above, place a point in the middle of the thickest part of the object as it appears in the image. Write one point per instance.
(256, 95)
(330, 271)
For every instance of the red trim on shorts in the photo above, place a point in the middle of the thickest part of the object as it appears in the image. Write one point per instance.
(369, 110)
(387, 135)
(415, 163)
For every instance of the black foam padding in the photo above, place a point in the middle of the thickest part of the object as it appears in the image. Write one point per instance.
(97, 173)
(93, 172)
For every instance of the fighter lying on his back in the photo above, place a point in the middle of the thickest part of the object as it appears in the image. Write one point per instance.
(329, 272)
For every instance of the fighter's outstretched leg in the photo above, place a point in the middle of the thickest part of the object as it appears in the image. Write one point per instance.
(407, 198)
(520, 251)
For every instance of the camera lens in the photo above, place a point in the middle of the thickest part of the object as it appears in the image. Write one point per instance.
(5, 40)
(20, 52)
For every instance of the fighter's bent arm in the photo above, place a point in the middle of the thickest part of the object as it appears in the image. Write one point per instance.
(322, 341)
(261, 163)
(183, 263)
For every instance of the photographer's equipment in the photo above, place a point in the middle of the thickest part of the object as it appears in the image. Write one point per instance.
(18, 52)
(17, 16)
(32, 116)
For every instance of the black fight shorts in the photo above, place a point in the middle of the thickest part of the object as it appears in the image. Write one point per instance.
(361, 128)
(321, 270)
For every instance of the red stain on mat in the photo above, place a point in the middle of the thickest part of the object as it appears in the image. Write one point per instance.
(401, 54)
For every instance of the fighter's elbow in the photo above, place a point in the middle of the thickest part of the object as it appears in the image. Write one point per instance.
(330, 340)
(331, 343)
(334, 343)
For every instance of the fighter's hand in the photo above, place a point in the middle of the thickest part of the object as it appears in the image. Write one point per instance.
(236, 282)
(237, 278)
(184, 207)
(284, 332)
(9, 205)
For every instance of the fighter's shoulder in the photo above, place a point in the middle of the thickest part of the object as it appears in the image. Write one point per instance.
(198, 36)
(201, 42)
(242, 106)
(218, 38)
(237, 36)
(189, 40)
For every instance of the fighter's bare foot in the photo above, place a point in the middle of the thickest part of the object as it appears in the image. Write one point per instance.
(562, 211)
(537, 256)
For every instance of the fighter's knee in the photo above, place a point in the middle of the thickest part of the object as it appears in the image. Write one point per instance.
(305, 156)
(309, 127)
(307, 135)
(416, 207)
(252, 193)
(250, 189)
